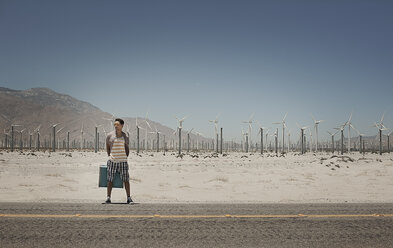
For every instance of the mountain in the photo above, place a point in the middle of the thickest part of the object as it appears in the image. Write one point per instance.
(44, 107)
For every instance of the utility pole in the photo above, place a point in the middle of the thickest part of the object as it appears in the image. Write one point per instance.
(380, 141)
(30, 140)
(216, 142)
(342, 141)
(261, 140)
(158, 141)
(96, 140)
(276, 142)
(54, 138)
(188, 142)
(221, 142)
(179, 140)
(137, 139)
(68, 141)
(246, 143)
(302, 140)
(38, 141)
(12, 138)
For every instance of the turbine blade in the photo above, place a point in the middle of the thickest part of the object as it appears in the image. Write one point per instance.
(285, 116)
(313, 118)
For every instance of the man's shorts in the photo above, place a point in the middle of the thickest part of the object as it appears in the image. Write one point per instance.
(121, 167)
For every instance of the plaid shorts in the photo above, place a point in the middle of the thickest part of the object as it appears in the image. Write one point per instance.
(121, 167)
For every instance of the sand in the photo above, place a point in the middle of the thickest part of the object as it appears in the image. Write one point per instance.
(236, 178)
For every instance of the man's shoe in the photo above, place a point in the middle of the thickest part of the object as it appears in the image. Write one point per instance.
(108, 200)
(129, 200)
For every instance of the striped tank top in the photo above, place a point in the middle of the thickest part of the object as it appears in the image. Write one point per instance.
(118, 152)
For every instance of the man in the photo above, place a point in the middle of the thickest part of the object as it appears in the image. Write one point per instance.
(118, 151)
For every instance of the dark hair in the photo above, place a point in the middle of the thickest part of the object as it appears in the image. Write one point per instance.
(120, 120)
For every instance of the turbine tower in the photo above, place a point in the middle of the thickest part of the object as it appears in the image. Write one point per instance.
(179, 128)
(381, 128)
(147, 125)
(349, 133)
(316, 123)
(158, 138)
(137, 134)
(332, 135)
(341, 129)
(360, 138)
(302, 136)
(215, 121)
(261, 132)
(283, 131)
(198, 134)
(249, 122)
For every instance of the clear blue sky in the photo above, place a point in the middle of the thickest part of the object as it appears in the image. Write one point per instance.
(201, 58)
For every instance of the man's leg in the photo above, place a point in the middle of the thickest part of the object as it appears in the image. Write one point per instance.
(127, 186)
(109, 189)
(110, 175)
(125, 176)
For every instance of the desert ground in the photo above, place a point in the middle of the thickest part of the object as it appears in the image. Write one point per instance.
(200, 178)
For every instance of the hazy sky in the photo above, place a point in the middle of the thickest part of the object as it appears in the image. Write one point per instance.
(201, 58)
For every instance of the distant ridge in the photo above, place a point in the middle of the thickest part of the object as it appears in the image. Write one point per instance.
(45, 107)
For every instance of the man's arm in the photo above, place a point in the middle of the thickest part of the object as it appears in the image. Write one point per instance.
(127, 149)
(108, 147)
(126, 145)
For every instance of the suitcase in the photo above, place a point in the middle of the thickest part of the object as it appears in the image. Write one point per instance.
(102, 180)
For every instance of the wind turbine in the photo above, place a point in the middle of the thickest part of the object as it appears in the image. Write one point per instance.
(96, 140)
(54, 136)
(12, 135)
(349, 133)
(82, 146)
(276, 141)
(215, 121)
(249, 122)
(360, 137)
(261, 132)
(316, 123)
(341, 129)
(30, 139)
(381, 128)
(58, 138)
(332, 135)
(289, 140)
(21, 138)
(110, 119)
(188, 140)
(283, 130)
(38, 137)
(147, 125)
(6, 139)
(245, 140)
(5, 117)
(310, 133)
(137, 134)
(158, 138)
(198, 134)
(302, 136)
(389, 139)
(266, 136)
(179, 128)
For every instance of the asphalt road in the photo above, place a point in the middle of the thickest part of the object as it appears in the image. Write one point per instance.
(195, 225)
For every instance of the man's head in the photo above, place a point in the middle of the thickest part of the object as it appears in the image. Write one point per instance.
(118, 124)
